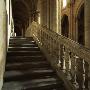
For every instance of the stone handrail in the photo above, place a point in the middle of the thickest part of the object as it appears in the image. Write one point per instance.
(71, 57)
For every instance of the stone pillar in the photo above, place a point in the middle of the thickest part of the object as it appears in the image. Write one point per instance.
(2, 40)
(48, 22)
(87, 23)
(57, 16)
(58, 11)
(87, 28)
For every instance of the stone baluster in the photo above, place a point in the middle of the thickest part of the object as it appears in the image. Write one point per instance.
(55, 47)
(59, 61)
(44, 40)
(15, 34)
(40, 37)
(50, 45)
(47, 41)
(83, 83)
(69, 67)
(64, 62)
(75, 83)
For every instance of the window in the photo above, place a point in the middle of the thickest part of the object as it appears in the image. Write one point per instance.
(64, 3)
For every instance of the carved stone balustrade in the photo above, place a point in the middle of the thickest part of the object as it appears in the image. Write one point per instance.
(68, 56)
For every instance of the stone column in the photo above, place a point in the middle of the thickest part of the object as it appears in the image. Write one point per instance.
(87, 28)
(2, 40)
(48, 22)
(58, 16)
(87, 23)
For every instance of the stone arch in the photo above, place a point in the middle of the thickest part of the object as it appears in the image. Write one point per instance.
(80, 25)
(24, 3)
(65, 25)
(21, 12)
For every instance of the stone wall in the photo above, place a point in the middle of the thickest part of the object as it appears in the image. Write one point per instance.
(71, 11)
(2, 40)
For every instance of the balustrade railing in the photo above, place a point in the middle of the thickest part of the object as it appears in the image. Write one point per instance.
(71, 58)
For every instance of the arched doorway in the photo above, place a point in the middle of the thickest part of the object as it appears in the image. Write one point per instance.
(80, 26)
(65, 26)
(20, 12)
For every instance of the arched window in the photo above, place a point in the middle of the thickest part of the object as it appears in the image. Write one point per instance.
(80, 25)
(64, 3)
(65, 26)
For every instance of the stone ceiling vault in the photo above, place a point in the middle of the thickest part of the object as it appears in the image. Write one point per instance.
(22, 10)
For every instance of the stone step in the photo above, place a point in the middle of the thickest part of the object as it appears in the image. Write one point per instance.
(24, 49)
(22, 42)
(27, 65)
(24, 53)
(46, 86)
(28, 69)
(24, 75)
(36, 84)
(13, 59)
(23, 45)
(21, 38)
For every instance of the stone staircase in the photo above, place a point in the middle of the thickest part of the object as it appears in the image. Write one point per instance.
(28, 69)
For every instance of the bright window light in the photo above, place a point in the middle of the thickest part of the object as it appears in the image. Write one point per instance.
(64, 3)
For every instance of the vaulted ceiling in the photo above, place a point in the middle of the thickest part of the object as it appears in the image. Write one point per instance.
(22, 10)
